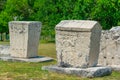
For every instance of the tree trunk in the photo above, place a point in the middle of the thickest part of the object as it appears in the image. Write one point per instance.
(7, 36)
(4, 36)
(1, 36)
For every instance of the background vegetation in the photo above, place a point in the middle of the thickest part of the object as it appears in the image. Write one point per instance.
(51, 12)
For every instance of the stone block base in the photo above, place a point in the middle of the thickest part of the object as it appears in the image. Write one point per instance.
(4, 50)
(5, 56)
(115, 67)
(87, 72)
(35, 59)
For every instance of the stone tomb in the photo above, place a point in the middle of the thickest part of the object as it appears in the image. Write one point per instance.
(110, 48)
(77, 43)
(24, 41)
(77, 46)
(24, 38)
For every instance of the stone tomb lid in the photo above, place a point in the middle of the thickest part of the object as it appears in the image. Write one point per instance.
(24, 22)
(77, 25)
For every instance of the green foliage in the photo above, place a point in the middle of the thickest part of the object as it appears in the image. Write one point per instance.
(107, 13)
(2, 4)
(4, 19)
(51, 12)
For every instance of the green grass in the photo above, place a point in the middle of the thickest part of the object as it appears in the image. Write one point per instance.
(47, 50)
(33, 71)
(4, 43)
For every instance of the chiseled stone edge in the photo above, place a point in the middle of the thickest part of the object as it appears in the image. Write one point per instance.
(87, 72)
(76, 25)
(115, 67)
(36, 59)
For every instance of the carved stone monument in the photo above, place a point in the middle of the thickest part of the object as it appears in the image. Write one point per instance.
(77, 46)
(77, 43)
(110, 48)
(24, 38)
(24, 41)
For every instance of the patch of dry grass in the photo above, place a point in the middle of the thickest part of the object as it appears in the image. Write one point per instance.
(4, 43)
(47, 50)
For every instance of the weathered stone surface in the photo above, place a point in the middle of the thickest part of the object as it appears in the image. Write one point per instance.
(35, 59)
(115, 67)
(5, 56)
(110, 47)
(88, 72)
(4, 50)
(77, 25)
(77, 43)
(24, 38)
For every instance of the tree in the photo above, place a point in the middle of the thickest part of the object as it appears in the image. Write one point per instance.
(51, 12)
(106, 12)
(2, 4)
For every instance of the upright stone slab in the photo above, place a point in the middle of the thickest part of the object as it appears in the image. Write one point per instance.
(77, 43)
(110, 47)
(24, 38)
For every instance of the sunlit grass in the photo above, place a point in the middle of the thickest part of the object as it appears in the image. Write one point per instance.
(47, 50)
(4, 43)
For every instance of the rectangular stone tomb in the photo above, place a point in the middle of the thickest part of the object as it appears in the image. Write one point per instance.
(24, 38)
(77, 43)
(110, 47)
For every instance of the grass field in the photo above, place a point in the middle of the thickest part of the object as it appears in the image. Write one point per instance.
(32, 71)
